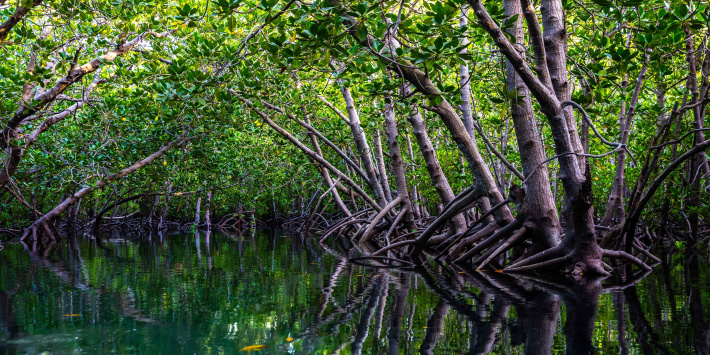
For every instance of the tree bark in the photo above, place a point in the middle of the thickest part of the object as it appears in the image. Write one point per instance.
(481, 175)
(362, 146)
(436, 173)
(398, 164)
(326, 176)
(538, 195)
(324, 163)
(554, 36)
(381, 167)
(465, 81)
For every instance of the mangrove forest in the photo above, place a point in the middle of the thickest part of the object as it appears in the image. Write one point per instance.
(354, 176)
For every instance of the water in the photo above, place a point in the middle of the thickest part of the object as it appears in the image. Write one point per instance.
(217, 294)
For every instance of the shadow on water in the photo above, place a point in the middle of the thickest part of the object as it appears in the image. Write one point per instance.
(219, 293)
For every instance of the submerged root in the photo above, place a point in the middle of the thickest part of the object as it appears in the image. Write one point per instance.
(35, 227)
(618, 254)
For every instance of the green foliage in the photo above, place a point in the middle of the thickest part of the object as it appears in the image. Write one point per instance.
(185, 81)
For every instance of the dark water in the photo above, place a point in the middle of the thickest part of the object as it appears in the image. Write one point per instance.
(217, 294)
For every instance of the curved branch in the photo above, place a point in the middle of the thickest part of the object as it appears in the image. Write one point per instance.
(618, 254)
(367, 235)
(541, 265)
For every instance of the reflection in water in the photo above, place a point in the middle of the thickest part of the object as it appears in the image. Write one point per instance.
(218, 293)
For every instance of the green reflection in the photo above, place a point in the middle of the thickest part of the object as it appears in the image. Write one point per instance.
(216, 293)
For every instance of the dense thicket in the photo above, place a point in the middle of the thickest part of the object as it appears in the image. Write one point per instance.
(589, 116)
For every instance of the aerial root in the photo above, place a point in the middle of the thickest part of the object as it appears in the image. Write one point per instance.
(539, 257)
(505, 246)
(398, 219)
(392, 246)
(500, 234)
(456, 248)
(340, 226)
(345, 222)
(541, 265)
(35, 226)
(636, 244)
(368, 232)
(618, 254)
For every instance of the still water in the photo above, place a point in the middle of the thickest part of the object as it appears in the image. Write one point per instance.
(219, 294)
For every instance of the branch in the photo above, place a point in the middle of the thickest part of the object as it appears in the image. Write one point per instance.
(20, 13)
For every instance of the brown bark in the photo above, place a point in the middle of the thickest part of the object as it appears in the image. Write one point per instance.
(16, 17)
(465, 81)
(416, 197)
(581, 238)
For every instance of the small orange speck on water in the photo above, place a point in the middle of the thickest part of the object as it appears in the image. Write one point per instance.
(289, 339)
(376, 276)
(358, 275)
(461, 272)
(314, 263)
(499, 271)
(72, 315)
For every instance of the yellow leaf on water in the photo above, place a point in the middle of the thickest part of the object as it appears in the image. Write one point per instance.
(72, 315)
(255, 347)
(289, 339)
(499, 271)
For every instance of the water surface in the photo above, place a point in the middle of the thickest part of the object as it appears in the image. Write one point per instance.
(218, 293)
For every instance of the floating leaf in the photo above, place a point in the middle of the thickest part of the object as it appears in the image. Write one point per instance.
(255, 347)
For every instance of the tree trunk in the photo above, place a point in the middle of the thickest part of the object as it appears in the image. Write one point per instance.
(208, 205)
(615, 205)
(465, 80)
(555, 40)
(416, 197)
(698, 163)
(538, 198)
(580, 246)
(481, 175)
(436, 173)
(326, 176)
(362, 146)
(197, 211)
(398, 165)
(381, 167)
